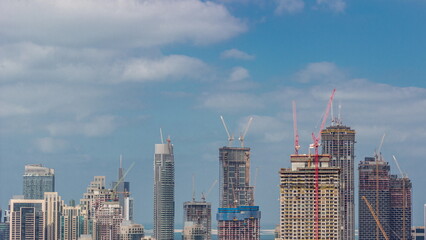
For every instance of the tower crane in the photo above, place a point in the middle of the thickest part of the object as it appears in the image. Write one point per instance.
(204, 196)
(230, 137)
(242, 136)
(375, 217)
(296, 134)
(316, 141)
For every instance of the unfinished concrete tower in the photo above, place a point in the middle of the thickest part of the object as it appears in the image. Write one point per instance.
(297, 199)
(339, 141)
(197, 221)
(374, 184)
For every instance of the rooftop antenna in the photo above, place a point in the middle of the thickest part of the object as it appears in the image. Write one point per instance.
(161, 136)
(339, 118)
(242, 136)
(121, 161)
(230, 137)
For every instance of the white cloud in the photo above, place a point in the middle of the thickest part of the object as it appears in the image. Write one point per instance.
(289, 6)
(116, 23)
(170, 67)
(238, 74)
(334, 5)
(267, 128)
(50, 145)
(98, 126)
(236, 54)
(320, 71)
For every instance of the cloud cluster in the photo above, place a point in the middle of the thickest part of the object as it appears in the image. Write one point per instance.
(116, 23)
(296, 6)
(289, 6)
(236, 54)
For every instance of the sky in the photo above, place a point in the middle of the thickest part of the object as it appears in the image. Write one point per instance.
(83, 81)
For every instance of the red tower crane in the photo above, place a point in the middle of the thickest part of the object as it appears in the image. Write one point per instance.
(296, 134)
(316, 140)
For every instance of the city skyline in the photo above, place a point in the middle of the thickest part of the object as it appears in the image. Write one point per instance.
(84, 81)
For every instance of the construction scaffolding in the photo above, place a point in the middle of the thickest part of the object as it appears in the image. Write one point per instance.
(242, 223)
(298, 199)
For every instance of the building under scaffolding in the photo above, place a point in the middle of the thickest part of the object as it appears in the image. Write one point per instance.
(339, 141)
(197, 220)
(400, 208)
(374, 184)
(297, 199)
(237, 218)
(239, 223)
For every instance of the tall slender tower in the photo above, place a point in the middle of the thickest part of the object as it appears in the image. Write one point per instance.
(164, 187)
(37, 181)
(339, 141)
(400, 207)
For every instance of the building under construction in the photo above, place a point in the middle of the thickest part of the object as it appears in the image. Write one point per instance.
(390, 198)
(298, 199)
(197, 217)
(236, 194)
(339, 141)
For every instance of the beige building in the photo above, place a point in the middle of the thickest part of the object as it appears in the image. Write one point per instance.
(131, 231)
(54, 205)
(298, 201)
(27, 219)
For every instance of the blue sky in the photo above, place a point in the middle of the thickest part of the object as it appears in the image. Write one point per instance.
(84, 81)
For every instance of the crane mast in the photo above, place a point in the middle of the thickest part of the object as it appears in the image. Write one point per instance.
(296, 134)
(316, 139)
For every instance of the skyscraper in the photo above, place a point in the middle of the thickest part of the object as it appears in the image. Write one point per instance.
(164, 187)
(37, 181)
(298, 200)
(400, 207)
(131, 231)
(27, 219)
(339, 141)
(238, 218)
(54, 205)
(72, 223)
(122, 187)
(197, 218)
(374, 184)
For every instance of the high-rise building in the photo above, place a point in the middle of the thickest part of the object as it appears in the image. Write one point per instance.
(37, 181)
(238, 218)
(390, 197)
(131, 231)
(53, 211)
(234, 181)
(374, 184)
(122, 187)
(4, 225)
(27, 219)
(339, 141)
(197, 218)
(298, 199)
(164, 187)
(108, 220)
(72, 223)
(400, 207)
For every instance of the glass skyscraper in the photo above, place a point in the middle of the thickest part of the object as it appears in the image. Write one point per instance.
(37, 181)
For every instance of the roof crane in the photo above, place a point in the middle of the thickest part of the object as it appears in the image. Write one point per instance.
(399, 168)
(242, 136)
(316, 140)
(204, 196)
(375, 217)
(378, 153)
(230, 137)
(296, 133)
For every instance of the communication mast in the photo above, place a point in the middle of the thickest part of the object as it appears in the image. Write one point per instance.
(296, 133)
